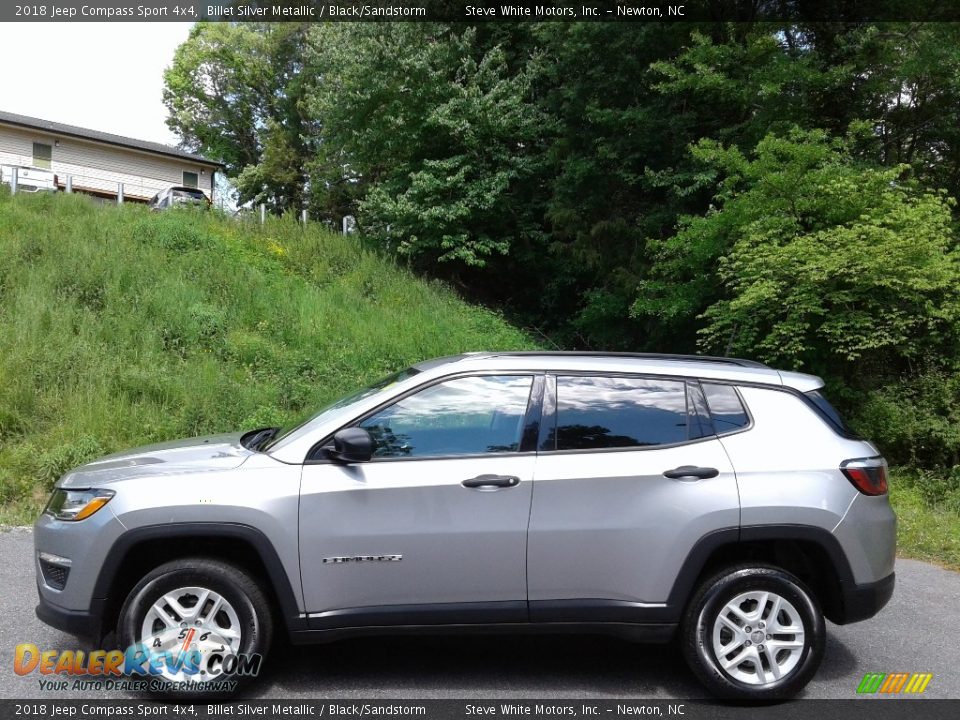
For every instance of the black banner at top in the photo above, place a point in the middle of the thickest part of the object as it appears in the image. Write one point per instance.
(849, 11)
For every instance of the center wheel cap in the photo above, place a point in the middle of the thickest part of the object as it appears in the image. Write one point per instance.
(757, 637)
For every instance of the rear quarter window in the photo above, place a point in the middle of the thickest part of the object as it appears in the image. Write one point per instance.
(828, 411)
(726, 408)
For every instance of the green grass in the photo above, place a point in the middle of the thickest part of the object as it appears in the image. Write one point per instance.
(928, 523)
(120, 327)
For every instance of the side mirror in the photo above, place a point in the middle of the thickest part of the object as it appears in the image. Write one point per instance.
(351, 445)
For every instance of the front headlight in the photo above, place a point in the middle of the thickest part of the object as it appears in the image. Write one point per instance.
(77, 504)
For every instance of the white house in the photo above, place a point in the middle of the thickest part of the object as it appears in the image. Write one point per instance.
(97, 162)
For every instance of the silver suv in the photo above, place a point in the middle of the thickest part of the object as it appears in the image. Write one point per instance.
(712, 500)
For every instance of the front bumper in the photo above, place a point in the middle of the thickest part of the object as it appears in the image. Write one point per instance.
(864, 601)
(85, 624)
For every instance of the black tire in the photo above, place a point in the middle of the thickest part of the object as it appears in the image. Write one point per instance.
(234, 584)
(712, 595)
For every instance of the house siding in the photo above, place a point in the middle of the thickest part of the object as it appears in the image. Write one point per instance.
(98, 167)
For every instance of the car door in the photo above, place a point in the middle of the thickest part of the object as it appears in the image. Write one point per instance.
(629, 477)
(433, 528)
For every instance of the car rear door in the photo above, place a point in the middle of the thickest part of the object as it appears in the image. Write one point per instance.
(629, 478)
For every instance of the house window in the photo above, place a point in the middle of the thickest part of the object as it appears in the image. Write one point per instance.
(42, 155)
(191, 179)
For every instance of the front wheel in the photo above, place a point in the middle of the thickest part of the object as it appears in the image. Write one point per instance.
(201, 627)
(753, 632)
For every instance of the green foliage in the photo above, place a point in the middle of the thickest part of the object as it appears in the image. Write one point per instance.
(450, 142)
(823, 260)
(233, 93)
(120, 327)
(914, 420)
(777, 190)
(927, 529)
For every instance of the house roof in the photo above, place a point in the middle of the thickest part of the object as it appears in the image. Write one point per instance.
(8, 118)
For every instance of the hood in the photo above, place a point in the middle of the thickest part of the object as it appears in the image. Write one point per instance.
(211, 453)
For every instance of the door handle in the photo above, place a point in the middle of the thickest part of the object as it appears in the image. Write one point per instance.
(491, 481)
(687, 472)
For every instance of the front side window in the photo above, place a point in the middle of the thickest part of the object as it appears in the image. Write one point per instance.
(463, 416)
(619, 412)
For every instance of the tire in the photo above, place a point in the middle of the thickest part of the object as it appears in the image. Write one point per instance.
(727, 658)
(224, 607)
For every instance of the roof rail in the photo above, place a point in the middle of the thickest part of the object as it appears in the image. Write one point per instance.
(741, 362)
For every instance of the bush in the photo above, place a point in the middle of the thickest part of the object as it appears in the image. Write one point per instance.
(914, 421)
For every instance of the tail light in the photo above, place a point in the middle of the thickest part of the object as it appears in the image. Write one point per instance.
(868, 475)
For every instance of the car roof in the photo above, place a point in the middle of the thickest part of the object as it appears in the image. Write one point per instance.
(701, 366)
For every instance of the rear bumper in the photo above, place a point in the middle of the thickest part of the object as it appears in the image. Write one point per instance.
(864, 601)
(84, 624)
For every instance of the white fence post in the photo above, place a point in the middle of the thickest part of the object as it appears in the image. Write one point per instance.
(263, 214)
(119, 193)
(14, 177)
(69, 187)
(303, 217)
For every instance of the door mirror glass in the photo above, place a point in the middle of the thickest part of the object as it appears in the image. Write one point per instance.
(351, 445)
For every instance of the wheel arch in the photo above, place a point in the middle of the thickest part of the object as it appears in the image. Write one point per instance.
(813, 554)
(139, 550)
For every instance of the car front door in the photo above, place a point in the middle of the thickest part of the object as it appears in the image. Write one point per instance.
(630, 476)
(433, 528)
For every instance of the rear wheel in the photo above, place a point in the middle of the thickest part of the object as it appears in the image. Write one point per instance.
(197, 620)
(753, 632)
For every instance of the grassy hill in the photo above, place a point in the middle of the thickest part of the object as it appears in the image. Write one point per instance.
(119, 327)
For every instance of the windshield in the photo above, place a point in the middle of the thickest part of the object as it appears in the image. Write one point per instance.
(341, 404)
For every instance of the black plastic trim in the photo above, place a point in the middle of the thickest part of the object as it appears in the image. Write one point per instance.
(529, 438)
(857, 602)
(740, 362)
(646, 633)
(279, 581)
(509, 611)
(595, 610)
(824, 538)
(84, 624)
(861, 602)
(685, 582)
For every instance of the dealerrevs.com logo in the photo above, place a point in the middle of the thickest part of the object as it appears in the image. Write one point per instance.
(894, 683)
(187, 668)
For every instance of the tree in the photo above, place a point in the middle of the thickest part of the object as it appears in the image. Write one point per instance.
(823, 260)
(233, 92)
(434, 129)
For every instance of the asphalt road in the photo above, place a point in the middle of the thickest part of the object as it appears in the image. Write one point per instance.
(916, 632)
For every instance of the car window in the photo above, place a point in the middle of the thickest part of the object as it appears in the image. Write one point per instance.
(726, 409)
(463, 416)
(609, 412)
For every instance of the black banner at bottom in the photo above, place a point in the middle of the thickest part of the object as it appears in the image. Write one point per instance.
(875, 708)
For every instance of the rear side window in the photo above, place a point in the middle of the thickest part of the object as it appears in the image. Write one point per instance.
(619, 412)
(726, 408)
